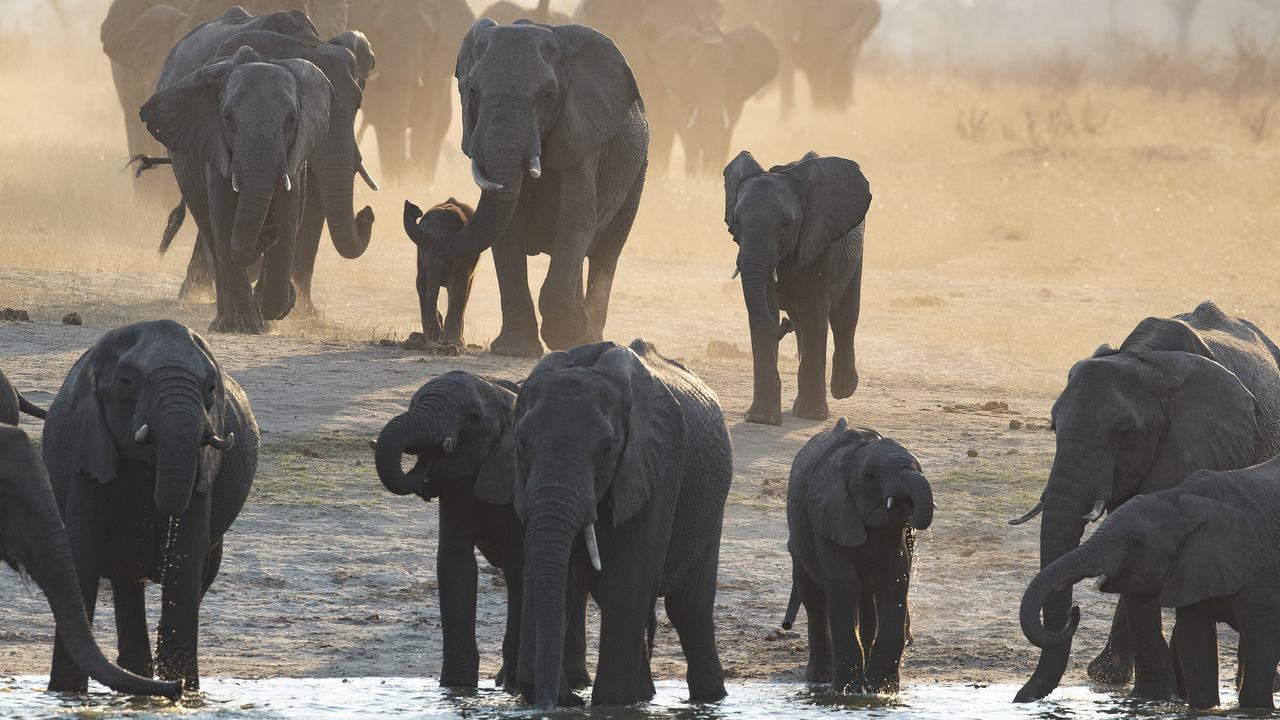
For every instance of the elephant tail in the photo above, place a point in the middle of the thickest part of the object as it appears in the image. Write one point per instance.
(171, 228)
(793, 607)
(27, 407)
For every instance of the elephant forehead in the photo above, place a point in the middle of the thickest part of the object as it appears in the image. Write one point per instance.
(261, 87)
(513, 46)
(573, 395)
(160, 341)
(768, 193)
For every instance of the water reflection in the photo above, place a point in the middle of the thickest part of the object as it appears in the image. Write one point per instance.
(329, 698)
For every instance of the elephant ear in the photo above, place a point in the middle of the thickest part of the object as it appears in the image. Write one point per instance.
(1211, 419)
(1216, 556)
(452, 19)
(186, 117)
(740, 168)
(653, 421)
(92, 450)
(315, 93)
(1156, 333)
(495, 483)
(597, 92)
(835, 197)
(466, 59)
(211, 457)
(358, 44)
(830, 504)
(755, 62)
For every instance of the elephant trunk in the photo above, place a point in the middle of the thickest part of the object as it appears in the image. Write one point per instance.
(277, 293)
(178, 427)
(760, 293)
(913, 485)
(419, 431)
(256, 188)
(1067, 570)
(553, 525)
(335, 168)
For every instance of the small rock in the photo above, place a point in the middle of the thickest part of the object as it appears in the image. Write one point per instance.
(1044, 292)
(416, 341)
(71, 318)
(972, 453)
(386, 342)
(1015, 424)
(14, 315)
(1011, 451)
(768, 491)
(967, 552)
(309, 451)
(358, 463)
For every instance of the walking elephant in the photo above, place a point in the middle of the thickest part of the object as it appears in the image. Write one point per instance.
(623, 464)
(799, 229)
(453, 274)
(12, 403)
(705, 77)
(461, 428)
(151, 450)
(1203, 547)
(417, 44)
(558, 104)
(1199, 391)
(854, 502)
(33, 541)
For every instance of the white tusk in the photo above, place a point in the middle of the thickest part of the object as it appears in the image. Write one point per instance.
(724, 113)
(447, 446)
(1097, 584)
(735, 273)
(141, 435)
(288, 184)
(590, 536)
(692, 118)
(535, 167)
(888, 504)
(1096, 512)
(480, 179)
(26, 579)
(775, 274)
(364, 174)
(235, 182)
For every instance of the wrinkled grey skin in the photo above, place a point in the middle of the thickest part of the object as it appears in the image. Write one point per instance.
(12, 403)
(628, 447)
(559, 103)
(1198, 391)
(417, 44)
(34, 542)
(453, 274)
(705, 77)
(461, 429)
(820, 38)
(854, 500)
(799, 229)
(1206, 547)
(505, 12)
(148, 505)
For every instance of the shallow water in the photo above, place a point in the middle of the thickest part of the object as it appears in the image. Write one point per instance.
(312, 698)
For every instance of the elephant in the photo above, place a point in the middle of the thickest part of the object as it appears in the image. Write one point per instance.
(623, 464)
(12, 402)
(559, 104)
(1203, 547)
(33, 541)
(705, 78)
(151, 450)
(851, 548)
(505, 12)
(435, 272)
(1198, 391)
(799, 229)
(462, 429)
(820, 38)
(328, 146)
(417, 43)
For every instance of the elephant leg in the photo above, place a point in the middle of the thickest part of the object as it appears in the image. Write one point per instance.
(456, 576)
(237, 307)
(199, 279)
(575, 641)
(428, 305)
(844, 323)
(1198, 655)
(177, 640)
(868, 621)
(1114, 665)
(459, 287)
(519, 335)
(307, 246)
(811, 338)
(565, 322)
(1152, 664)
(133, 644)
(691, 609)
(604, 262)
(843, 591)
(814, 599)
(623, 674)
(892, 627)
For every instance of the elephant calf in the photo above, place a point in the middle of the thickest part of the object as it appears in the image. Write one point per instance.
(853, 504)
(12, 402)
(460, 428)
(1207, 547)
(453, 274)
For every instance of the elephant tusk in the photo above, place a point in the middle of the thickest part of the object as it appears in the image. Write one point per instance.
(734, 276)
(1096, 512)
(447, 446)
(141, 435)
(775, 274)
(288, 184)
(535, 167)
(364, 175)
(1030, 514)
(235, 182)
(590, 536)
(724, 113)
(373, 444)
(692, 118)
(481, 180)
(888, 504)
(1097, 584)
(220, 444)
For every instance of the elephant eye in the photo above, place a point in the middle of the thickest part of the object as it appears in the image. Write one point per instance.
(1136, 542)
(474, 417)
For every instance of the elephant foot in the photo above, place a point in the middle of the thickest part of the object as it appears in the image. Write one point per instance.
(578, 678)
(511, 345)
(70, 684)
(844, 381)
(247, 324)
(847, 687)
(452, 680)
(561, 335)
(811, 409)
(1111, 668)
(1159, 690)
(764, 415)
(817, 674)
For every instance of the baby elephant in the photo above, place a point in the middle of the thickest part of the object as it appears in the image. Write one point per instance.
(460, 427)
(435, 272)
(12, 402)
(1207, 547)
(853, 504)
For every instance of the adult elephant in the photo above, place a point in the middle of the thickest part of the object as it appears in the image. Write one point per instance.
(34, 542)
(151, 450)
(417, 43)
(505, 12)
(560, 105)
(12, 403)
(1199, 391)
(799, 229)
(623, 463)
(462, 429)
(705, 78)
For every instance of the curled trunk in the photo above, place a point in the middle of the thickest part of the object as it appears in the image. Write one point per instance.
(914, 486)
(399, 435)
(252, 204)
(1067, 570)
(493, 215)
(335, 170)
(177, 429)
